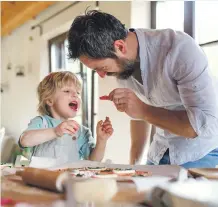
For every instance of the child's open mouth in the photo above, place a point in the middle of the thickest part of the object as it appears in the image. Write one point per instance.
(74, 105)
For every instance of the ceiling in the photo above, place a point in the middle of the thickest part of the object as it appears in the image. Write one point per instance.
(16, 13)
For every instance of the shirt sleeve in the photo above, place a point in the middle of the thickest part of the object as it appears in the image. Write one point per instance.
(35, 123)
(88, 143)
(196, 87)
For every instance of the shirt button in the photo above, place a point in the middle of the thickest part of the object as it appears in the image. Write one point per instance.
(73, 138)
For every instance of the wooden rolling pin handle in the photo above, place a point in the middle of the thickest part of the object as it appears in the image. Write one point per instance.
(47, 179)
(19, 171)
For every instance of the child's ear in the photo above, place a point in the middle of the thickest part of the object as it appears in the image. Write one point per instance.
(49, 102)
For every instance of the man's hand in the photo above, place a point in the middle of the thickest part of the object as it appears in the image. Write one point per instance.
(126, 101)
(67, 127)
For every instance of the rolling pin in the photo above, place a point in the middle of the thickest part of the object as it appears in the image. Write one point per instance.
(41, 178)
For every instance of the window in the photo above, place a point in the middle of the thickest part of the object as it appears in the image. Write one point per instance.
(170, 14)
(196, 18)
(58, 52)
(206, 25)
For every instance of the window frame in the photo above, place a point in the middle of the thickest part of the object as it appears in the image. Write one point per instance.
(189, 20)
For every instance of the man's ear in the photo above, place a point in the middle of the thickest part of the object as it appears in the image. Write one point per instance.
(120, 48)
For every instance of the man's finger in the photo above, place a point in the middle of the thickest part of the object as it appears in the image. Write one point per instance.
(121, 107)
(117, 91)
(121, 101)
(116, 101)
(119, 95)
(111, 94)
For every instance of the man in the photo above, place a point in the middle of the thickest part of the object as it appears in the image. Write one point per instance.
(165, 82)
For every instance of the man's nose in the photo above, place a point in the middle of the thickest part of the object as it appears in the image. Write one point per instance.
(102, 74)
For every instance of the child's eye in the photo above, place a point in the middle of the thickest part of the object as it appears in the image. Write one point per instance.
(66, 91)
(78, 93)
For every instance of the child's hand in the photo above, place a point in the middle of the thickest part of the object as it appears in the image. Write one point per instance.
(66, 127)
(104, 130)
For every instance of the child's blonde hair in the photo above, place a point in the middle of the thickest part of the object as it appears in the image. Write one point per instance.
(48, 86)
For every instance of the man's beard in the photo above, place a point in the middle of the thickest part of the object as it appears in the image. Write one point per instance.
(127, 67)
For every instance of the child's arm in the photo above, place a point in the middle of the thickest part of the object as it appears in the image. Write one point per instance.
(104, 131)
(35, 137)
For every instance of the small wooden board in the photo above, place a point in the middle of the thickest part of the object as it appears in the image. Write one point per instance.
(210, 173)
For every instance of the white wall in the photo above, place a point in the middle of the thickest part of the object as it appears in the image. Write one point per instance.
(19, 101)
(140, 14)
(212, 54)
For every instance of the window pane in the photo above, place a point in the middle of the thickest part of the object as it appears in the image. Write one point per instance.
(170, 14)
(73, 66)
(211, 52)
(206, 21)
(62, 56)
(53, 58)
(80, 112)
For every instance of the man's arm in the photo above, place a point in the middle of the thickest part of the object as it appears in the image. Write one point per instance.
(140, 138)
(196, 90)
(176, 122)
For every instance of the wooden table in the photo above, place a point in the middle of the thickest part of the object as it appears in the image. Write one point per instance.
(13, 187)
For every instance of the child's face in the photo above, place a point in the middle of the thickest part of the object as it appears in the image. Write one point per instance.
(66, 102)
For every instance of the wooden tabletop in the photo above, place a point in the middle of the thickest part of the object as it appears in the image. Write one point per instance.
(13, 187)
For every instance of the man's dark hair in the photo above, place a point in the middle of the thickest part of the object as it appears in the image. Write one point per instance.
(93, 35)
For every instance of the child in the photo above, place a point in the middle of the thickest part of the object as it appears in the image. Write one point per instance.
(55, 134)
